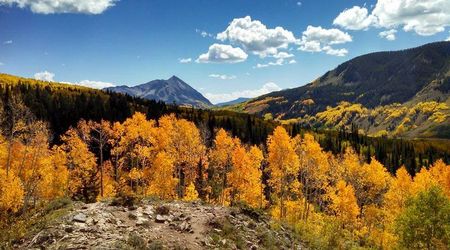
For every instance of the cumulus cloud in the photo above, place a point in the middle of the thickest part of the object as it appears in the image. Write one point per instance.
(281, 59)
(44, 76)
(317, 39)
(266, 88)
(255, 37)
(222, 53)
(356, 18)
(62, 6)
(222, 77)
(388, 34)
(185, 60)
(93, 84)
(7, 42)
(50, 77)
(425, 18)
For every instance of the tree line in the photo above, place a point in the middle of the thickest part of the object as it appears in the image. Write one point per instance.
(337, 198)
(63, 105)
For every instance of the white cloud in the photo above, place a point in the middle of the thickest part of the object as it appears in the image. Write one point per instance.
(448, 38)
(221, 53)
(281, 58)
(356, 18)
(222, 77)
(44, 76)
(49, 77)
(255, 37)
(388, 34)
(185, 60)
(204, 33)
(424, 17)
(299, 4)
(62, 6)
(325, 36)
(335, 52)
(7, 42)
(266, 88)
(317, 39)
(94, 84)
(283, 55)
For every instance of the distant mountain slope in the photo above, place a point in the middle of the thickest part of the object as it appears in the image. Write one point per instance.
(405, 77)
(172, 90)
(232, 102)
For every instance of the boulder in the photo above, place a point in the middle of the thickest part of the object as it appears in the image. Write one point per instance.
(160, 218)
(80, 217)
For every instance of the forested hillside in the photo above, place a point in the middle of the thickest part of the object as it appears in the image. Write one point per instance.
(329, 201)
(397, 93)
(63, 105)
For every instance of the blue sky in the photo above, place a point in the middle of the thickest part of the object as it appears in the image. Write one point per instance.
(129, 42)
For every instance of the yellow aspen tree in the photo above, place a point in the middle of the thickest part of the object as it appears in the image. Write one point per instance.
(313, 170)
(441, 173)
(136, 147)
(181, 139)
(161, 180)
(14, 123)
(137, 142)
(221, 162)
(11, 192)
(191, 193)
(423, 181)
(54, 182)
(34, 165)
(109, 184)
(343, 204)
(136, 177)
(283, 166)
(256, 196)
(244, 179)
(400, 190)
(99, 134)
(373, 184)
(82, 166)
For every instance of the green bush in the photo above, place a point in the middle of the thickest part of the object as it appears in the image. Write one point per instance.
(425, 222)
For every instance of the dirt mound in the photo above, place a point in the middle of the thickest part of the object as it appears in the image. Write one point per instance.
(159, 225)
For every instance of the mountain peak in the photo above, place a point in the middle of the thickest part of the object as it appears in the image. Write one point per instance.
(174, 77)
(172, 90)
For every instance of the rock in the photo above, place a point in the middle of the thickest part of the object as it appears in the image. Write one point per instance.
(132, 216)
(141, 221)
(80, 217)
(184, 227)
(148, 211)
(162, 210)
(160, 218)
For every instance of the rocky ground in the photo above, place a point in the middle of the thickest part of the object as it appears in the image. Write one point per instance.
(158, 225)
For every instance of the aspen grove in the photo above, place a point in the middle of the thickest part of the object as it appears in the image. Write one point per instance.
(336, 198)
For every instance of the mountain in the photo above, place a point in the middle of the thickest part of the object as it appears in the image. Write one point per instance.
(232, 102)
(401, 81)
(172, 90)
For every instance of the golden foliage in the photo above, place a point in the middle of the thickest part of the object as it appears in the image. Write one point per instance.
(160, 179)
(11, 192)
